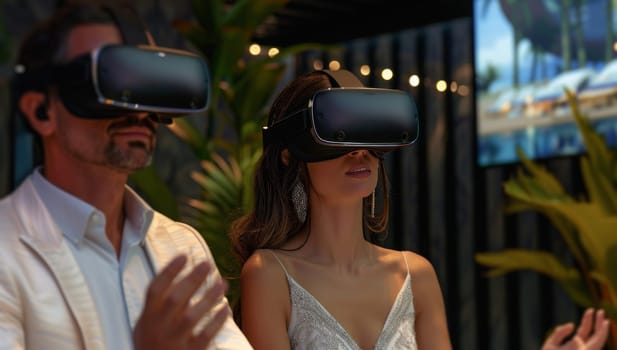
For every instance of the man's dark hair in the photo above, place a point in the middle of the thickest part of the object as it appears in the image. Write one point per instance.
(45, 45)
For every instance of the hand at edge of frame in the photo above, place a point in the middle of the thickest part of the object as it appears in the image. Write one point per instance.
(590, 335)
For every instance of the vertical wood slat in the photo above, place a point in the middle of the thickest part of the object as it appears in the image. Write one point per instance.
(463, 322)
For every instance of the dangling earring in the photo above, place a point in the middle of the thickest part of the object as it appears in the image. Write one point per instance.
(298, 198)
(373, 204)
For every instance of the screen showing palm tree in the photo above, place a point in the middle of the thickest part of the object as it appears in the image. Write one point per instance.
(527, 53)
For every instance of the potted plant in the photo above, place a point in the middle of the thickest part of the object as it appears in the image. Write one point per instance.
(230, 144)
(587, 223)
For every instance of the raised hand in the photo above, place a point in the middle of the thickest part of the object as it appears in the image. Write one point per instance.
(169, 319)
(584, 339)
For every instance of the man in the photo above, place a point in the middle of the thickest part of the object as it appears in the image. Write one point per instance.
(84, 262)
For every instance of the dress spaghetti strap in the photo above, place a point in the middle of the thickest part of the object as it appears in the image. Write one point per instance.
(404, 257)
(280, 262)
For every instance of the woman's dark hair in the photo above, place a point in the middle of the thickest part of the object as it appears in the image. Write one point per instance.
(273, 220)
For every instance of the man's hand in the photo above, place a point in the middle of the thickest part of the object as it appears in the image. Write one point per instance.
(584, 339)
(168, 320)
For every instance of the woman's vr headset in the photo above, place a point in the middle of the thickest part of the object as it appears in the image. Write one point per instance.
(115, 79)
(345, 118)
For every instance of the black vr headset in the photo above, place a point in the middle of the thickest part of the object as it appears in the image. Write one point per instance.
(345, 118)
(114, 80)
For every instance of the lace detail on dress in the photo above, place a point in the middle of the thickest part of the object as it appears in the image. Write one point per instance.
(312, 327)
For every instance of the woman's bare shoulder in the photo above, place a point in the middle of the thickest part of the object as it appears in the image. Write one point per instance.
(424, 279)
(416, 262)
(420, 268)
(262, 267)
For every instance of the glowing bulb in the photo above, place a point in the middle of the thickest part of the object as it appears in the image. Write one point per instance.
(365, 70)
(273, 52)
(441, 85)
(334, 65)
(387, 74)
(453, 86)
(317, 65)
(414, 80)
(254, 49)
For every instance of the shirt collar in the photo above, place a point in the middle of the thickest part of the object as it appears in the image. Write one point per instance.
(138, 215)
(74, 215)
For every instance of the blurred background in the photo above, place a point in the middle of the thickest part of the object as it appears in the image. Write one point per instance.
(447, 190)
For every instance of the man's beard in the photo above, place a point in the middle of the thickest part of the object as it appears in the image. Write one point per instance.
(137, 156)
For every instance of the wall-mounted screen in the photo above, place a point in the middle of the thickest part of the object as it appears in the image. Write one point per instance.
(526, 53)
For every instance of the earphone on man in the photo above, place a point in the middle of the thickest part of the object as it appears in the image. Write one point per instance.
(41, 112)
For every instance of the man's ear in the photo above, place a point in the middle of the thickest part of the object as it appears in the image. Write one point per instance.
(285, 156)
(33, 105)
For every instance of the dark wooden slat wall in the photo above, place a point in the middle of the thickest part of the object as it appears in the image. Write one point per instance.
(446, 208)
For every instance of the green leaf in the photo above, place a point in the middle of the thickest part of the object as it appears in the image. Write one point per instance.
(215, 177)
(182, 128)
(586, 225)
(596, 147)
(253, 93)
(510, 260)
(611, 265)
(209, 13)
(595, 228)
(212, 190)
(231, 48)
(230, 145)
(545, 180)
(155, 191)
(229, 167)
(545, 263)
(570, 236)
(196, 35)
(599, 187)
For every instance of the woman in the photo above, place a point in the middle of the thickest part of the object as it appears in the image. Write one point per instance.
(310, 279)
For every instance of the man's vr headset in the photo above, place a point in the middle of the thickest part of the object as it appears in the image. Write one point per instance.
(115, 79)
(345, 118)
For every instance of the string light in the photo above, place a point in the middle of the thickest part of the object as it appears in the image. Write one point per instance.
(463, 90)
(254, 49)
(365, 70)
(387, 74)
(273, 52)
(453, 86)
(441, 85)
(414, 80)
(334, 65)
(317, 65)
